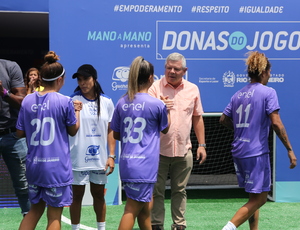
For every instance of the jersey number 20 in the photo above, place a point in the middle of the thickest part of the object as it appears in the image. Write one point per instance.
(40, 127)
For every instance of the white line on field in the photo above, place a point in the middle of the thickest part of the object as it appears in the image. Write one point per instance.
(68, 221)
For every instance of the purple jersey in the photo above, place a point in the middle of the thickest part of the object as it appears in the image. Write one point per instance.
(44, 120)
(139, 123)
(249, 110)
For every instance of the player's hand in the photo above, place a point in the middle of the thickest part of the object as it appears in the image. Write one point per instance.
(110, 163)
(293, 159)
(169, 103)
(77, 105)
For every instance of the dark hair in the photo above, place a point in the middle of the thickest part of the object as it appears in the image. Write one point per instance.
(97, 87)
(256, 64)
(51, 69)
(139, 73)
(27, 80)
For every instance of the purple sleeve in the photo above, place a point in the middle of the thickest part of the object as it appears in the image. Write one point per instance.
(164, 119)
(227, 111)
(115, 121)
(71, 117)
(272, 103)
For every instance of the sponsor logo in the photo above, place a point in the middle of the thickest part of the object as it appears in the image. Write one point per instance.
(93, 131)
(208, 80)
(121, 74)
(247, 94)
(92, 153)
(134, 107)
(126, 39)
(120, 78)
(41, 107)
(211, 38)
(134, 36)
(276, 78)
(37, 160)
(230, 78)
(92, 150)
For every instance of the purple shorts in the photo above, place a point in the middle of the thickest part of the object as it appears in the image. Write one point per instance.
(55, 197)
(141, 192)
(254, 173)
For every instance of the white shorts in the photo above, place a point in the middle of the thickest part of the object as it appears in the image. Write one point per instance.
(84, 177)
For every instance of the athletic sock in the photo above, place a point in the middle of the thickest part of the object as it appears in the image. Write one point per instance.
(75, 226)
(101, 225)
(229, 226)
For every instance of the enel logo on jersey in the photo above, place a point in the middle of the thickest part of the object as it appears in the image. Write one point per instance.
(133, 106)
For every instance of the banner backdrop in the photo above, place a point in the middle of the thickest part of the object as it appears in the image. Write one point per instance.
(23, 6)
(213, 35)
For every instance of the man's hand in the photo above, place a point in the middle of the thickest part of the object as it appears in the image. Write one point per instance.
(201, 154)
(169, 103)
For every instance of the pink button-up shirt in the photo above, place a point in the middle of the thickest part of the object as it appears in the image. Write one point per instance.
(187, 103)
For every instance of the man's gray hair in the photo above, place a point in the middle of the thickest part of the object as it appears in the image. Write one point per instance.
(176, 57)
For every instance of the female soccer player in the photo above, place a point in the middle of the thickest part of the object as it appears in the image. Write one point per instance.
(46, 119)
(90, 160)
(250, 113)
(137, 122)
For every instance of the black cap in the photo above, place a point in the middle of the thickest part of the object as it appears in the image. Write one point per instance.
(86, 71)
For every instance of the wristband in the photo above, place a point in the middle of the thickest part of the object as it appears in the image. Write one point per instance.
(6, 93)
(112, 156)
(202, 145)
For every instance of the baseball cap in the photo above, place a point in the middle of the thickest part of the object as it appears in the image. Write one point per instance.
(86, 70)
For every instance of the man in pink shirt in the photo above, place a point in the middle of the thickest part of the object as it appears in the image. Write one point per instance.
(176, 158)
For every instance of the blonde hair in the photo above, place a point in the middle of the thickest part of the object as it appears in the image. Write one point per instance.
(139, 73)
(257, 63)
